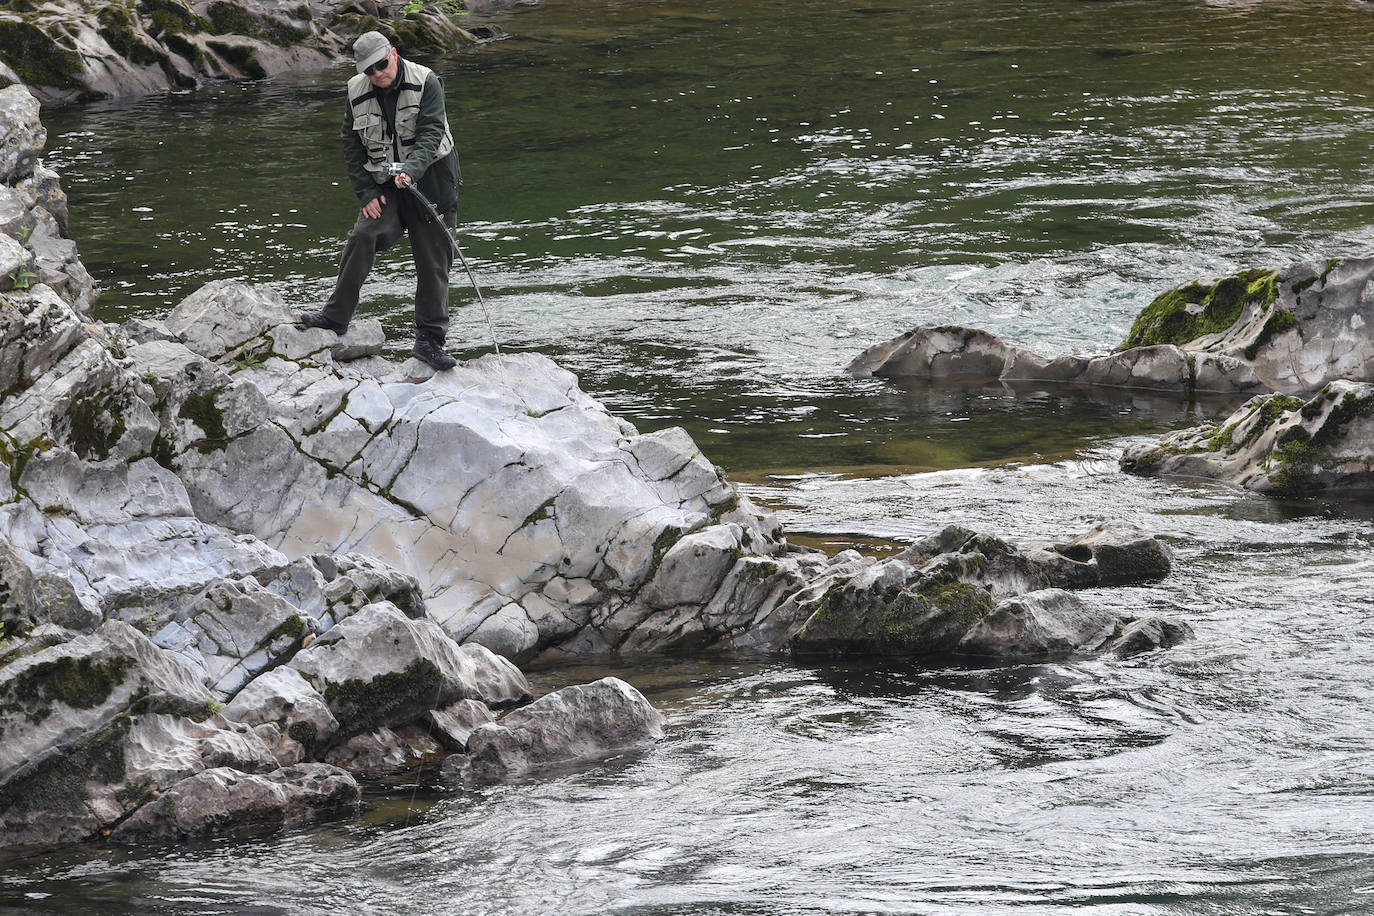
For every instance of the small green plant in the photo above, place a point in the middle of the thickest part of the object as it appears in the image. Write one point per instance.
(23, 277)
(413, 7)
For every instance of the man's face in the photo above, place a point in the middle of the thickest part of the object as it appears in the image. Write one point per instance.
(383, 73)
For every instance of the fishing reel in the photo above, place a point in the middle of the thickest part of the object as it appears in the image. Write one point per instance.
(394, 168)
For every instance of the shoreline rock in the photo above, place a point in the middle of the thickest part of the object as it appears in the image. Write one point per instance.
(1290, 331)
(1275, 444)
(236, 553)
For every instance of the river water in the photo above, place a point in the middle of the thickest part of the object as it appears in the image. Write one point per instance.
(706, 210)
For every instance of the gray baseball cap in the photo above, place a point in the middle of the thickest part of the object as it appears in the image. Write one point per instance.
(370, 48)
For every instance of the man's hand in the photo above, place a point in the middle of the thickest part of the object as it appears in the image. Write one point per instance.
(404, 181)
(373, 208)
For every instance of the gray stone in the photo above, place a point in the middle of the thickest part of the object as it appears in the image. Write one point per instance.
(452, 725)
(219, 318)
(84, 787)
(379, 668)
(282, 697)
(1042, 624)
(65, 693)
(22, 135)
(570, 726)
(223, 800)
(1149, 635)
(235, 630)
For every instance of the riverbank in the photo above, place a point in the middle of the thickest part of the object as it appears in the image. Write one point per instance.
(80, 52)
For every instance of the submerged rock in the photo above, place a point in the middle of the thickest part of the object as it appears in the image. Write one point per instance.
(1290, 331)
(1275, 444)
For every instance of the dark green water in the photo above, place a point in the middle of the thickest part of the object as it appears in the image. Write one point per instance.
(706, 210)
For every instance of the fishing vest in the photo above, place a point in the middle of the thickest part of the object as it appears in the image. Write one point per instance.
(369, 120)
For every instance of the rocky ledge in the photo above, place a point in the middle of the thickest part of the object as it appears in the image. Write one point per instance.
(1290, 331)
(69, 51)
(243, 564)
(1275, 444)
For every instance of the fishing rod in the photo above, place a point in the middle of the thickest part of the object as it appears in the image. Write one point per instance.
(452, 234)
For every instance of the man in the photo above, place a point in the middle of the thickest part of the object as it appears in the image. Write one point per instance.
(395, 114)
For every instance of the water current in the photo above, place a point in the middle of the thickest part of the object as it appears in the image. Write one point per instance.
(706, 210)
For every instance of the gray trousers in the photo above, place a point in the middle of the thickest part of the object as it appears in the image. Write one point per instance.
(429, 245)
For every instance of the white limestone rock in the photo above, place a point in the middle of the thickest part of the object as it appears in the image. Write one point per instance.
(66, 693)
(22, 135)
(1275, 444)
(1041, 624)
(283, 698)
(233, 631)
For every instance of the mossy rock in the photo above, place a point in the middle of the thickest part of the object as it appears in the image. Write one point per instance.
(37, 58)
(1195, 310)
(171, 17)
(360, 705)
(95, 424)
(118, 28)
(243, 58)
(928, 619)
(202, 410)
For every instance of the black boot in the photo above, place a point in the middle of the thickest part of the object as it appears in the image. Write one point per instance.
(319, 320)
(430, 349)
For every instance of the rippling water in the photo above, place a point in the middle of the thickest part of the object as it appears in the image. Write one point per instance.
(706, 211)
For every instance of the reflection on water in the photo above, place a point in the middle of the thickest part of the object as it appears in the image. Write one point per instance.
(707, 210)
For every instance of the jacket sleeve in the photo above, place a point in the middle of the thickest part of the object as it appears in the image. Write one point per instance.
(355, 158)
(430, 126)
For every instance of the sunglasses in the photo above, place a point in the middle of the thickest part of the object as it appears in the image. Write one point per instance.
(379, 66)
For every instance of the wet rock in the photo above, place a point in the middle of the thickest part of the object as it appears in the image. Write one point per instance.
(376, 753)
(956, 589)
(573, 725)
(1040, 624)
(79, 789)
(944, 354)
(1111, 553)
(890, 608)
(1275, 444)
(1150, 634)
(224, 801)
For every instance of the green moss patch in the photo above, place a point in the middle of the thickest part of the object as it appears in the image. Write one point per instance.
(37, 58)
(79, 683)
(117, 27)
(1193, 311)
(360, 705)
(202, 410)
(96, 425)
(171, 17)
(1279, 320)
